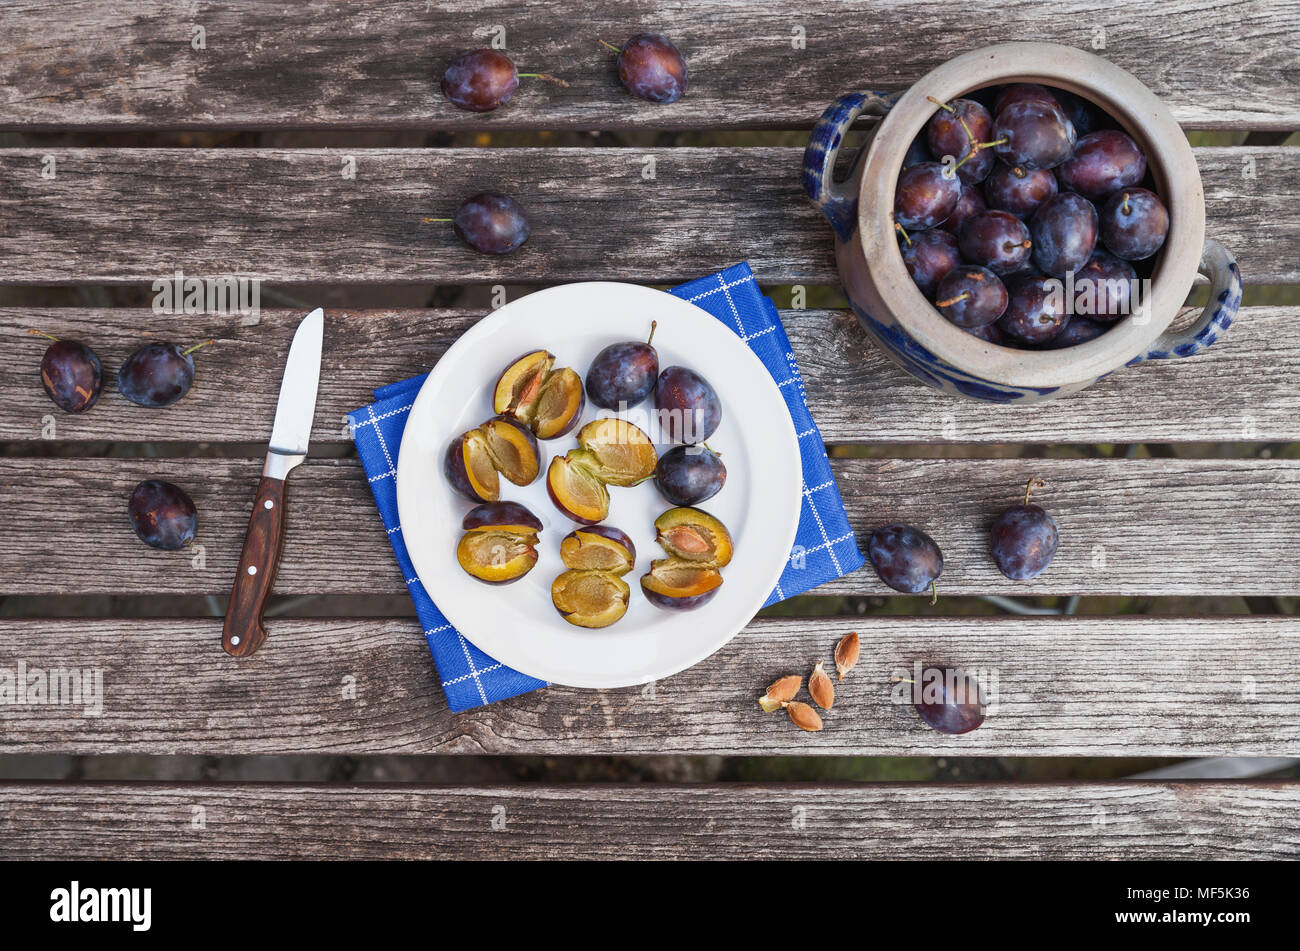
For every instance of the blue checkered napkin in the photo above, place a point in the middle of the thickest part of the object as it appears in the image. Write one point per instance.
(824, 546)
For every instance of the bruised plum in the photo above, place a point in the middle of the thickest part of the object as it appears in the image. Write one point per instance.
(71, 374)
(162, 514)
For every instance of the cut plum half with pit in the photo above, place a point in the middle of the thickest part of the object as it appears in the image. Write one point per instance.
(697, 545)
(692, 534)
(500, 542)
(677, 585)
(501, 446)
(546, 400)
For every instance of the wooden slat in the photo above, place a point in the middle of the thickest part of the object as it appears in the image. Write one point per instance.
(1116, 686)
(649, 821)
(1148, 526)
(289, 215)
(131, 65)
(1245, 388)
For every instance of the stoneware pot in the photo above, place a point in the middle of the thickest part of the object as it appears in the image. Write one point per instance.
(910, 330)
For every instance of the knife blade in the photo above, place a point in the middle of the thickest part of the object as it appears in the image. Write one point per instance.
(244, 630)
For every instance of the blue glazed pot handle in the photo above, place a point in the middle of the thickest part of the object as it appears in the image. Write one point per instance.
(838, 202)
(1225, 297)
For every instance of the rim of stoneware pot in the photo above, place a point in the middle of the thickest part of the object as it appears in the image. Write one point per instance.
(1138, 112)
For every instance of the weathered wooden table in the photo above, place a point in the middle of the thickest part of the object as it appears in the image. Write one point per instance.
(1207, 513)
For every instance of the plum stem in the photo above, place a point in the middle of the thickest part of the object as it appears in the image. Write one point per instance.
(42, 333)
(197, 346)
(616, 49)
(1125, 207)
(902, 680)
(934, 593)
(977, 147)
(903, 231)
(1034, 484)
(650, 339)
(546, 76)
(429, 221)
(953, 300)
(711, 449)
(944, 105)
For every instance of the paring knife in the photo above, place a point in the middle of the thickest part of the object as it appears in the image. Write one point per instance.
(244, 632)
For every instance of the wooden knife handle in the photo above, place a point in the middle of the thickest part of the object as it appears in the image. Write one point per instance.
(244, 632)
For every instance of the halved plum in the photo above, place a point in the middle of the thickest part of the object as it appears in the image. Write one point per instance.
(500, 542)
(574, 488)
(693, 535)
(501, 445)
(697, 545)
(546, 400)
(613, 452)
(469, 468)
(513, 449)
(623, 454)
(591, 599)
(677, 585)
(598, 548)
(505, 516)
(592, 593)
(559, 407)
(520, 384)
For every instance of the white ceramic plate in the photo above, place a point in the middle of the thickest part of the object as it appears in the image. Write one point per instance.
(760, 503)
